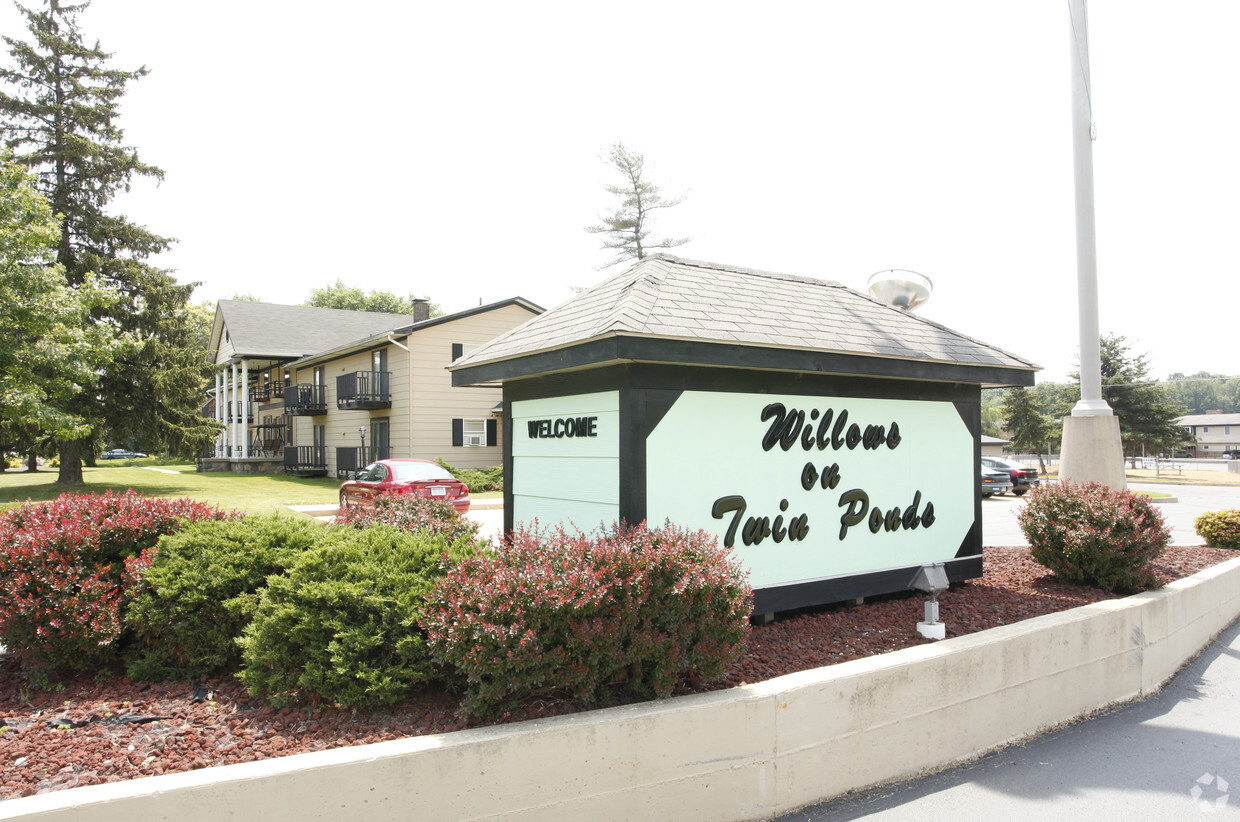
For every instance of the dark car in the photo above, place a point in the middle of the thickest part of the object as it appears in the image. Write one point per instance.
(1023, 478)
(421, 477)
(121, 454)
(994, 482)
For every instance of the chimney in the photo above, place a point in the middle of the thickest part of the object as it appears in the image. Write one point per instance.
(421, 309)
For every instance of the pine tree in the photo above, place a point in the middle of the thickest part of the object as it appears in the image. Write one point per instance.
(1028, 427)
(627, 229)
(1147, 411)
(59, 120)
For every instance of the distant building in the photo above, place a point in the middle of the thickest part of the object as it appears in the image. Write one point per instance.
(323, 391)
(1214, 434)
(993, 446)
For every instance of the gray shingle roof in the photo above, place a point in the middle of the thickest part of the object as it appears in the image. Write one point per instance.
(281, 331)
(673, 298)
(1209, 419)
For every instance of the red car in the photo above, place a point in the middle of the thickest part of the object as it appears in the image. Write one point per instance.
(421, 477)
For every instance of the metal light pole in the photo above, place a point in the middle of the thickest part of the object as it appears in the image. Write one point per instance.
(1091, 442)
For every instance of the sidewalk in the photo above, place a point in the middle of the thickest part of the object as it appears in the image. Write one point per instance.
(1173, 757)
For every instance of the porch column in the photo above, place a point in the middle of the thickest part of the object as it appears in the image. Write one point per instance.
(245, 408)
(232, 410)
(221, 439)
(225, 416)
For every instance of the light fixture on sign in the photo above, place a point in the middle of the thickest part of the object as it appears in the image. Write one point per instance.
(931, 579)
(900, 288)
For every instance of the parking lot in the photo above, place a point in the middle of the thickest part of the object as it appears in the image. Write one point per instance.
(999, 526)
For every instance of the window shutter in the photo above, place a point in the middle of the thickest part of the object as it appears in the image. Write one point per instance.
(458, 431)
(458, 349)
(492, 432)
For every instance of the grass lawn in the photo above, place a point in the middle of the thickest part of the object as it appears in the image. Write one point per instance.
(251, 493)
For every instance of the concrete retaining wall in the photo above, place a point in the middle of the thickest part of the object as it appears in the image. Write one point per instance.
(746, 753)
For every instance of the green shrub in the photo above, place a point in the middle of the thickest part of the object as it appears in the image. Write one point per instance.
(67, 570)
(201, 590)
(1219, 528)
(410, 512)
(1093, 535)
(627, 614)
(478, 479)
(341, 625)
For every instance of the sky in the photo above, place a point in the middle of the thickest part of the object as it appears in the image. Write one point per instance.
(455, 151)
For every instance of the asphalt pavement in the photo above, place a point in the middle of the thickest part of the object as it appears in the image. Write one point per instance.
(999, 526)
(1172, 756)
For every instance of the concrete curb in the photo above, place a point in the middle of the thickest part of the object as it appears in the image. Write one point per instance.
(746, 753)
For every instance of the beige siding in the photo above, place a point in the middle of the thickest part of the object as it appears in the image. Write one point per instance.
(435, 403)
(424, 403)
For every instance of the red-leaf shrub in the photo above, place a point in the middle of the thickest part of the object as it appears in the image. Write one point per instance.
(1093, 535)
(410, 512)
(622, 615)
(66, 567)
(1221, 529)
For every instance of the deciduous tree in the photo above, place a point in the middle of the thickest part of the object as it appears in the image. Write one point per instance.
(352, 298)
(1204, 392)
(50, 350)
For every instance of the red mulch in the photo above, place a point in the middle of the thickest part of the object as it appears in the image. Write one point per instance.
(92, 732)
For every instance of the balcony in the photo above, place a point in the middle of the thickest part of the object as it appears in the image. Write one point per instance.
(351, 460)
(305, 400)
(267, 392)
(305, 460)
(363, 389)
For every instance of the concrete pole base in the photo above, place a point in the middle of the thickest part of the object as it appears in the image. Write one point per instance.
(1092, 451)
(932, 630)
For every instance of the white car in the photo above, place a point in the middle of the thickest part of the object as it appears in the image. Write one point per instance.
(121, 454)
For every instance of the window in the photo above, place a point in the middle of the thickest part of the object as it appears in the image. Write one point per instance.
(378, 360)
(1227, 430)
(320, 436)
(320, 375)
(474, 433)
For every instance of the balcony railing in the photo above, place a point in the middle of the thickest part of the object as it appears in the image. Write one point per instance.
(305, 400)
(305, 460)
(351, 460)
(364, 389)
(267, 392)
(234, 412)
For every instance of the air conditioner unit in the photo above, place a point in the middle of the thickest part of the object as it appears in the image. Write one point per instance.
(475, 440)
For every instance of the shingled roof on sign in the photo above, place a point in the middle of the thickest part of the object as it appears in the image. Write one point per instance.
(668, 309)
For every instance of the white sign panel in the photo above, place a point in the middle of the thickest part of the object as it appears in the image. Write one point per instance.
(806, 487)
(566, 459)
